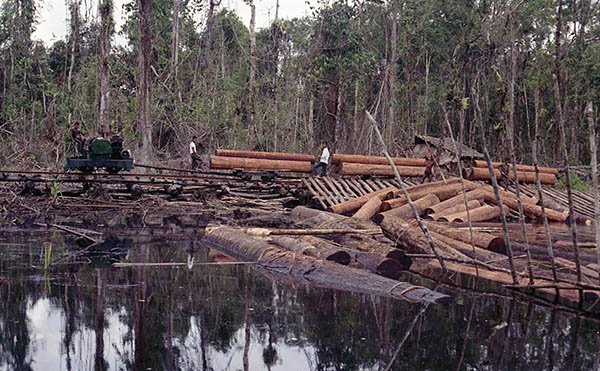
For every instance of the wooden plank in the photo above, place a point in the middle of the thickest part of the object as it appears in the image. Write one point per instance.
(315, 194)
(324, 192)
(349, 190)
(365, 185)
(334, 191)
(357, 187)
(334, 184)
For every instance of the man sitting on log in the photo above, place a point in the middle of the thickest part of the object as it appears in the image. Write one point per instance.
(323, 161)
(196, 160)
(428, 169)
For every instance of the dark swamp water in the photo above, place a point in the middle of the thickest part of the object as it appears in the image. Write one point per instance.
(233, 317)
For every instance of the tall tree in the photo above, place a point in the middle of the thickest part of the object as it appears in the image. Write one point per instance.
(144, 82)
(105, 8)
(252, 80)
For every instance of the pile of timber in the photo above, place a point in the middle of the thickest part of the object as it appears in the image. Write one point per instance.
(378, 166)
(525, 173)
(265, 161)
(317, 261)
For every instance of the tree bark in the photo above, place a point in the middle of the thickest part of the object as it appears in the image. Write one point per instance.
(175, 38)
(144, 81)
(105, 8)
(252, 81)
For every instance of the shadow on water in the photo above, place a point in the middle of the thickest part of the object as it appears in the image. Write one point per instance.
(84, 314)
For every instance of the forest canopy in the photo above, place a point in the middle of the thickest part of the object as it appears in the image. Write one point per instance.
(502, 68)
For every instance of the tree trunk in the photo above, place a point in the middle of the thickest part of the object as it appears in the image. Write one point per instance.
(275, 33)
(392, 67)
(252, 81)
(74, 38)
(144, 81)
(105, 8)
(175, 38)
(594, 165)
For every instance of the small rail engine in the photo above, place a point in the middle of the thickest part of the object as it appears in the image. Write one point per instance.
(102, 153)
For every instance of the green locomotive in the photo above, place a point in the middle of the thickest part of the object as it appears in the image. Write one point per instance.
(102, 153)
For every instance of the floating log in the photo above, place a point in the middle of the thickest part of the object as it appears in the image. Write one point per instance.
(348, 168)
(481, 214)
(477, 253)
(397, 202)
(369, 209)
(356, 203)
(301, 246)
(265, 155)
(480, 173)
(361, 242)
(520, 167)
(384, 267)
(376, 160)
(318, 272)
(405, 211)
(529, 209)
(218, 162)
(452, 210)
(483, 240)
(475, 194)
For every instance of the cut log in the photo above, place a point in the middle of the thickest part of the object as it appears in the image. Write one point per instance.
(478, 253)
(442, 191)
(422, 186)
(480, 239)
(480, 173)
(318, 272)
(369, 209)
(218, 162)
(377, 160)
(452, 210)
(265, 155)
(529, 209)
(489, 188)
(298, 246)
(406, 212)
(348, 168)
(356, 203)
(475, 194)
(520, 167)
(481, 214)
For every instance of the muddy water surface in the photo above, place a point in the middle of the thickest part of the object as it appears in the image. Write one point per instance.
(80, 313)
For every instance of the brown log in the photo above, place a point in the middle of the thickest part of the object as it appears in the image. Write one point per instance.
(520, 167)
(477, 253)
(480, 239)
(305, 232)
(218, 162)
(481, 214)
(489, 188)
(356, 203)
(422, 186)
(348, 168)
(453, 210)
(318, 272)
(529, 209)
(475, 194)
(480, 173)
(369, 209)
(442, 191)
(376, 160)
(383, 266)
(361, 242)
(298, 246)
(265, 155)
(406, 212)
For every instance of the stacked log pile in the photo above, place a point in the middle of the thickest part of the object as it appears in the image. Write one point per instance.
(525, 173)
(481, 253)
(265, 161)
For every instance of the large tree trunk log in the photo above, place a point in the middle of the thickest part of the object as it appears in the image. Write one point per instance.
(217, 162)
(406, 212)
(452, 210)
(376, 160)
(480, 173)
(419, 187)
(483, 240)
(456, 200)
(442, 191)
(529, 209)
(369, 209)
(310, 270)
(489, 188)
(348, 168)
(520, 167)
(265, 155)
(481, 214)
(356, 203)
(304, 247)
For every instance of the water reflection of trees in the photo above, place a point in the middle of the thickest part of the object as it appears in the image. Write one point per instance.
(192, 319)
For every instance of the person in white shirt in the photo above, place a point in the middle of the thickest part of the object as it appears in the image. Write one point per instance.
(323, 161)
(196, 160)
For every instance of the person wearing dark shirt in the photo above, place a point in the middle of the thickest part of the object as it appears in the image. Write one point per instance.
(428, 169)
(77, 138)
(504, 173)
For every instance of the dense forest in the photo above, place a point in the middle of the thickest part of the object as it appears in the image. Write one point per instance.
(513, 73)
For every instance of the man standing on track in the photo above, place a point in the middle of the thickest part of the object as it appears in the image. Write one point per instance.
(196, 160)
